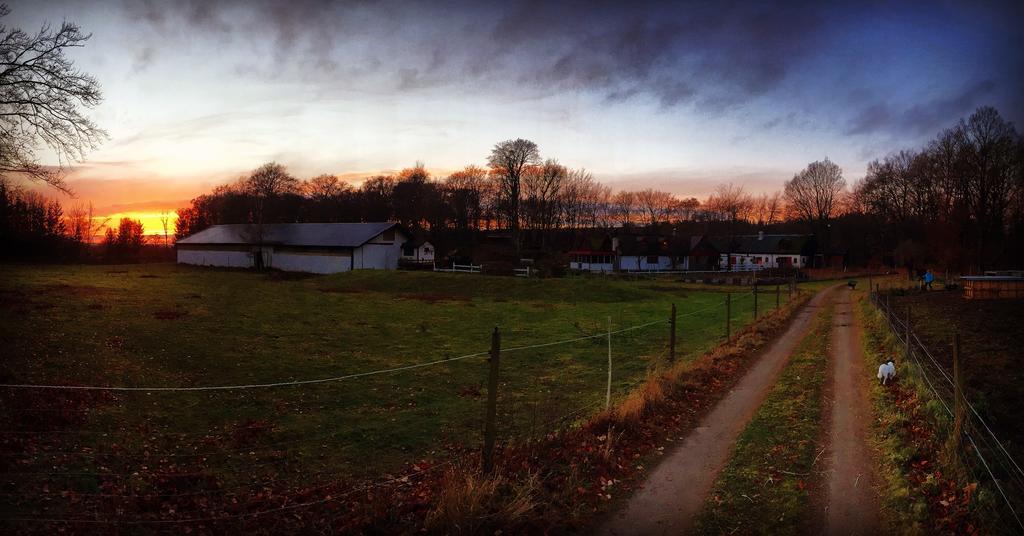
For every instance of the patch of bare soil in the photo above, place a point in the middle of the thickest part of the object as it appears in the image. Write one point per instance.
(170, 314)
(850, 481)
(674, 493)
(991, 342)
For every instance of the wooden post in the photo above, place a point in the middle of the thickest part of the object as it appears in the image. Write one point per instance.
(755, 297)
(958, 392)
(492, 402)
(728, 316)
(672, 335)
(776, 296)
(608, 393)
(906, 334)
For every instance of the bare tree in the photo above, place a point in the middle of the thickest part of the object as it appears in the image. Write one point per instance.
(96, 226)
(767, 208)
(78, 225)
(814, 193)
(508, 160)
(165, 221)
(731, 202)
(42, 97)
(324, 187)
(623, 206)
(271, 179)
(686, 209)
(656, 205)
(543, 186)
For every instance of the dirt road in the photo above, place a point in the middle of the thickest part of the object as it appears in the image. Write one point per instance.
(852, 500)
(675, 491)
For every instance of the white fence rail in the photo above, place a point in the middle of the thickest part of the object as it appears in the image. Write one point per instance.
(463, 268)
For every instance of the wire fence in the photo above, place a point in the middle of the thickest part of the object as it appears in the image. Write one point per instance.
(982, 453)
(113, 455)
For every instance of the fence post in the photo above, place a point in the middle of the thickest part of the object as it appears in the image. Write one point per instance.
(755, 298)
(728, 315)
(672, 335)
(958, 392)
(906, 334)
(492, 402)
(608, 392)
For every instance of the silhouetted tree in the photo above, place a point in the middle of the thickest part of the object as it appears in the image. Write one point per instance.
(509, 159)
(814, 193)
(42, 97)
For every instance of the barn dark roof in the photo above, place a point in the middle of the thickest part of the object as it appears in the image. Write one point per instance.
(346, 235)
(767, 244)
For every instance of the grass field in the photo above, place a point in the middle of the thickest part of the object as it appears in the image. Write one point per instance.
(164, 325)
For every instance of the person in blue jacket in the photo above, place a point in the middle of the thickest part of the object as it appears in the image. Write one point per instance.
(928, 278)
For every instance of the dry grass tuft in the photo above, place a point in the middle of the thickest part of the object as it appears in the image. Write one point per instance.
(471, 502)
(641, 400)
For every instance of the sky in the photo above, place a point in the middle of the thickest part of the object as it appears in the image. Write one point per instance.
(677, 96)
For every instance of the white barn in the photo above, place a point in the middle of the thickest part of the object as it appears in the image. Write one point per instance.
(321, 248)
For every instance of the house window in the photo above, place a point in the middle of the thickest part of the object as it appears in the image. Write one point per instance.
(652, 259)
(389, 235)
(427, 251)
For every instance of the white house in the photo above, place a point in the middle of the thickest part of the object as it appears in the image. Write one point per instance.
(760, 251)
(321, 248)
(418, 251)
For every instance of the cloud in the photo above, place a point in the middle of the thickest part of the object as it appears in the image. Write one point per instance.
(706, 54)
(924, 118)
(700, 183)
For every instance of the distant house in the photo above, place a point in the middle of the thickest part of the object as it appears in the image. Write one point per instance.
(418, 250)
(643, 254)
(628, 253)
(702, 254)
(321, 248)
(760, 251)
(594, 254)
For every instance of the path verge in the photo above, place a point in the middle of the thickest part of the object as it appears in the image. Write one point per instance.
(675, 491)
(766, 485)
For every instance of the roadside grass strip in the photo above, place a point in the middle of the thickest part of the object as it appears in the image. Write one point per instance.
(766, 484)
(923, 488)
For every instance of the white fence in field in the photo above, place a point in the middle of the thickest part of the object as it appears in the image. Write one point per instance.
(463, 268)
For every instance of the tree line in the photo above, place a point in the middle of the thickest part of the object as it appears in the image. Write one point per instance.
(33, 227)
(958, 200)
(518, 191)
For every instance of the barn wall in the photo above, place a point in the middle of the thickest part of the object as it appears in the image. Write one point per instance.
(213, 257)
(312, 263)
(639, 262)
(378, 256)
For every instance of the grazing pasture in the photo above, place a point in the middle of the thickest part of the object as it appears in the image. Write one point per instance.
(166, 325)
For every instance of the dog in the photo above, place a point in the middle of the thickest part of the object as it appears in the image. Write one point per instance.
(886, 371)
